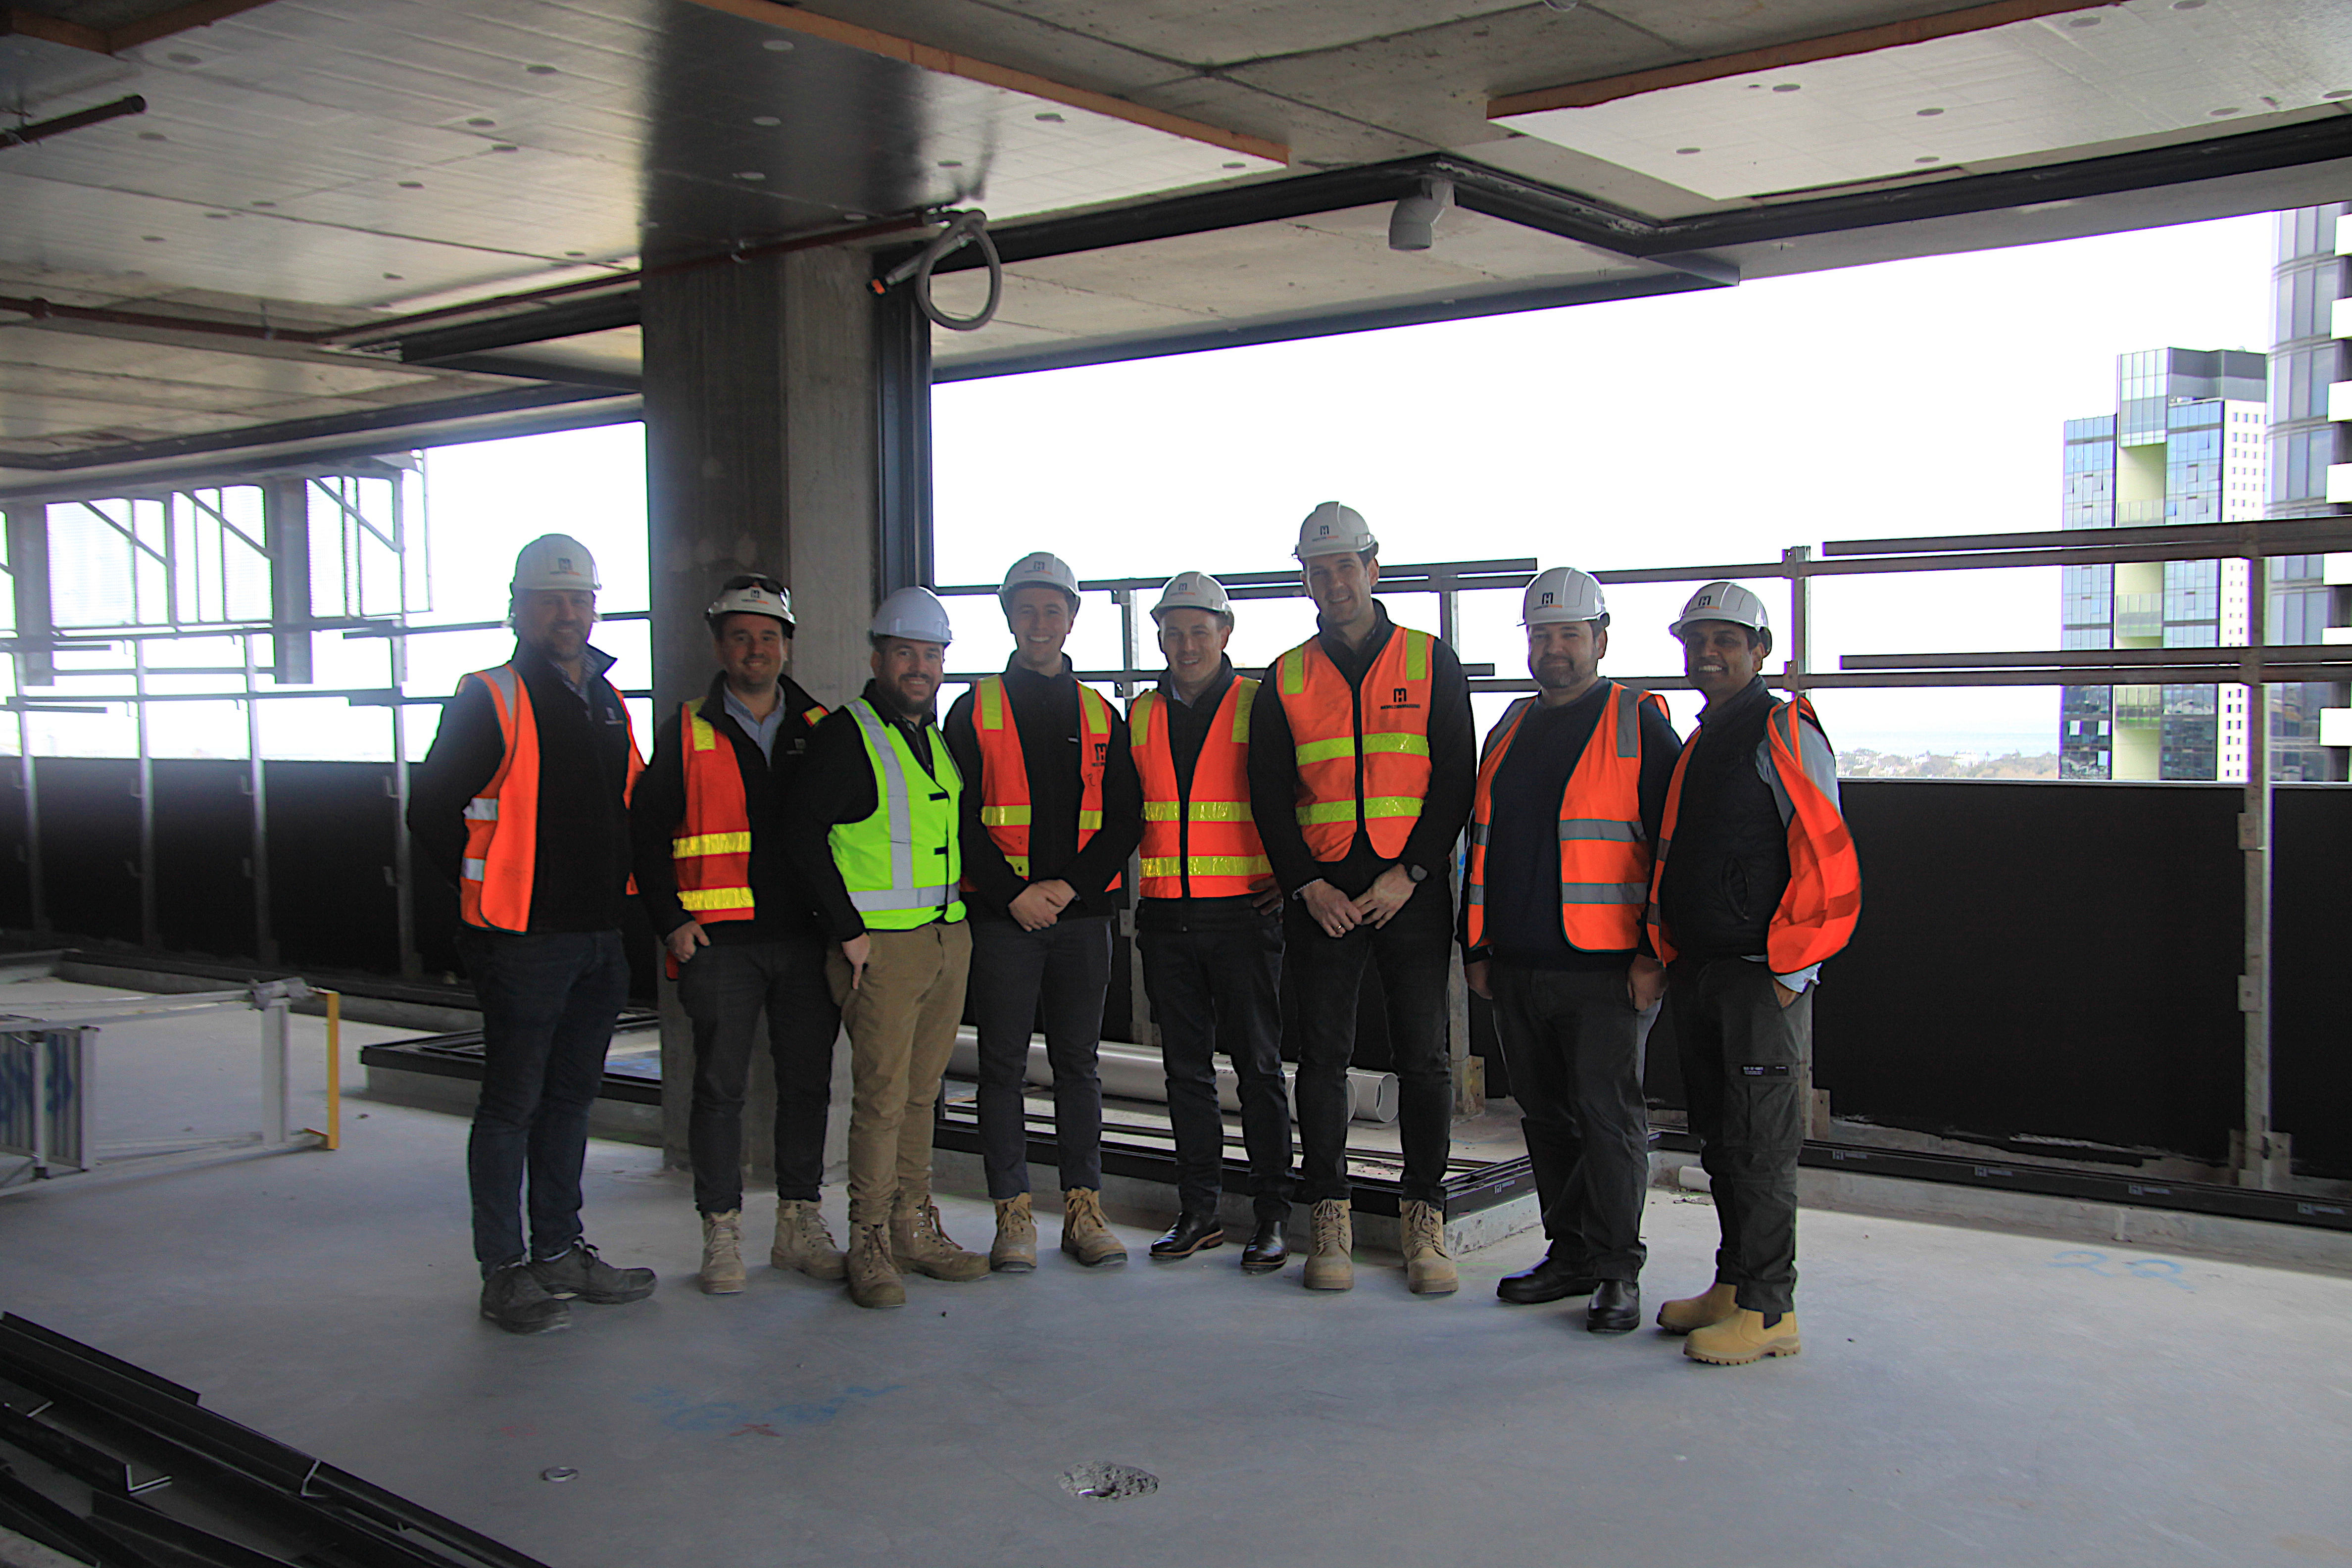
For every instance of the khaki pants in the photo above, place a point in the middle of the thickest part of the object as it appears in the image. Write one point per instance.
(902, 1023)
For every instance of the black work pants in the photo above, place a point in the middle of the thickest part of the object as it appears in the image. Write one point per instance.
(1572, 1044)
(724, 988)
(1212, 990)
(549, 1000)
(1413, 953)
(1059, 975)
(1743, 1059)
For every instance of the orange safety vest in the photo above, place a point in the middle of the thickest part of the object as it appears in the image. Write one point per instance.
(1206, 845)
(1362, 753)
(1005, 771)
(1604, 857)
(1817, 913)
(502, 822)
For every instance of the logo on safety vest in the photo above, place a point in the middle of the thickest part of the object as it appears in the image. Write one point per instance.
(1102, 753)
(1397, 697)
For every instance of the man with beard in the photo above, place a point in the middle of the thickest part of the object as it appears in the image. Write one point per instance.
(874, 832)
(1569, 799)
(1756, 884)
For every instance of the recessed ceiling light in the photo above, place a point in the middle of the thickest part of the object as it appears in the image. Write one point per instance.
(1927, 160)
(1049, 118)
(411, 184)
(765, 119)
(778, 45)
(950, 162)
(541, 70)
(184, 59)
(1685, 152)
(2218, 113)
(1233, 165)
(751, 175)
(1789, 87)
(481, 122)
(1929, 113)
(153, 136)
(153, 238)
(504, 147)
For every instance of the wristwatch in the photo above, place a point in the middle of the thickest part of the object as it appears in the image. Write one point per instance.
(1418, 873)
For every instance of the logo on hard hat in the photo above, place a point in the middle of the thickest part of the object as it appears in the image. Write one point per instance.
(563, 563)
(1703, 601)
(1548, 598)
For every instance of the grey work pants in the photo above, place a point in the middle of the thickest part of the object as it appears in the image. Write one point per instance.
(1743, 1058)
(1572, 1044)
(902, 1021)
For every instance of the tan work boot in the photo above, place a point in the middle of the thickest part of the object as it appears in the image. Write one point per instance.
(1697, 1311)
(1085, 1236)
(1428, 1266)
(803, 1242)
(1742, 1337)
(722, 1253)
(873, 1277)
(1332, 1265)
(917, 1242)
(1014, 1250)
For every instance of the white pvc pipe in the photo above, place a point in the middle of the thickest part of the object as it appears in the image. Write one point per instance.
(1136, 1072)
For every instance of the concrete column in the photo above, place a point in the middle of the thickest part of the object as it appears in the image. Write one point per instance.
(762, 454)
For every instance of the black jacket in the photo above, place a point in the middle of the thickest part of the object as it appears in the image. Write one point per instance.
(580, 875)
(1730, 861)
(1045, 716)
(782, 905)
(1188, 731)
(1453, 772)
(1523, 833)
(836, 785)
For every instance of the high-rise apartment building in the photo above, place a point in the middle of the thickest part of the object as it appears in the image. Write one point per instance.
(2311, 475)
(2187, 443)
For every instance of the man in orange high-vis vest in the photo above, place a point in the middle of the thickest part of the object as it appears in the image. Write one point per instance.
(741, 929)
(523, 803)
(1360, 775)
(1051, 811)
(1571, 789)
(1756, 884)
(1208, 924)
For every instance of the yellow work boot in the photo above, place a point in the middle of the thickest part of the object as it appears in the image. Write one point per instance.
(1014, 1250)
(722, 1253)
(1697, 1311)
(1084, 1234)
(873, 1277)
(917, 1242)
(1742, 1337)
(1331, 1266)
(1428, 1266)
(803, 1242)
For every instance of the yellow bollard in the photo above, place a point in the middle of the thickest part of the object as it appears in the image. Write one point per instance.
(332, 1138)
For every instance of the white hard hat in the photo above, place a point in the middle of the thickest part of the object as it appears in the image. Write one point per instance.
(751, 593)
(1723, 602)
(1046, 570)
(554, 560)
(915, 614)
(1193, 591)
(1332, 529)
(1562, 594)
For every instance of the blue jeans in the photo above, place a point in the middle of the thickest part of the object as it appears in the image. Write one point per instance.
(549, 1000)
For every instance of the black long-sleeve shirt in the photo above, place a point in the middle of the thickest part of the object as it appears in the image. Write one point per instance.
(836, 785)
(1045, 716)
(1453, 772)
(1522, 900)
(782, 905)
(579, 875)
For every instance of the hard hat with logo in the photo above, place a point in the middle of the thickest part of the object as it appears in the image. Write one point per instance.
(915, 614)
(1563, 593)
(751, 593)
(1193, 591)
(555, 561)
(1045, 570)
(1723, 602)
(1332, 529)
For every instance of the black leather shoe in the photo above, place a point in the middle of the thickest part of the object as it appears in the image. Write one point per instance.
(1548, 1280)
(1267, 1250)
(1616, 1307)
(1191, 1233)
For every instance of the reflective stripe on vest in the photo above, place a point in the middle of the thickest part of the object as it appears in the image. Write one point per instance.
(1004, 771)
(1604, 862)
(1362, 753)
(1816, 915)
(711, 851)
(501, 854)
(1205, 847)
(901, 864)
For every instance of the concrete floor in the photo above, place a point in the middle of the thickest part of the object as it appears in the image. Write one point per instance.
(1966, 1397)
